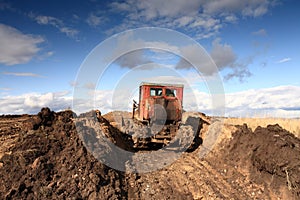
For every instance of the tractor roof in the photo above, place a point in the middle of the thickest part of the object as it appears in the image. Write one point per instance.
(162, 84)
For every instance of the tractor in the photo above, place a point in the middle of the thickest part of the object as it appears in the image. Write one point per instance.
(158, 119)
(159, 103)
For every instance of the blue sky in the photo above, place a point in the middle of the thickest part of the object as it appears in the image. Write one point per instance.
(254, 44)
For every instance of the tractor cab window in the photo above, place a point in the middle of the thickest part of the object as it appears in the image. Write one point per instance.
(170, 93)
(155, 91)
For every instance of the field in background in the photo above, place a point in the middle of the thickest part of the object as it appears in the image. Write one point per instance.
(292, 125)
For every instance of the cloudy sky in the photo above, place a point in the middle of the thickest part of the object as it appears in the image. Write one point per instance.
(254, 46)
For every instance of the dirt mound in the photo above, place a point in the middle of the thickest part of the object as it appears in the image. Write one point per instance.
(115, 115)
(56, 156)
(49, 161)
(270, 155)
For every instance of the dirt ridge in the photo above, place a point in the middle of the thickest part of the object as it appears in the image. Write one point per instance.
(44, 156)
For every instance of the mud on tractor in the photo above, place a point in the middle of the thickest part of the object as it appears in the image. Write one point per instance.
(158, 118)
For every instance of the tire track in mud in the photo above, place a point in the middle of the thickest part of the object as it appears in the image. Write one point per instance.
(189, 178)
(193, 178)
(207, 182)
(210, 179)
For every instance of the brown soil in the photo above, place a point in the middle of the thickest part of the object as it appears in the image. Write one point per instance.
(44, 157)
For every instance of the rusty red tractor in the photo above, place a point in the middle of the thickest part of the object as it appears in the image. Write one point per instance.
(159, 102)
(158, 118)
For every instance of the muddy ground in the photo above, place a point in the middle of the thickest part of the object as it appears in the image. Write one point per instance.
(44, 156)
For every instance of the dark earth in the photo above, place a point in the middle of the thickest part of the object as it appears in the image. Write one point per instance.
(44, 157)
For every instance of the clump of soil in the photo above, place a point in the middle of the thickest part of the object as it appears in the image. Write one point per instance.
(49, 161)
(271, 155)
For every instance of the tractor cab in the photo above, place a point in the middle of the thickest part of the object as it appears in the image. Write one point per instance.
(159, 102)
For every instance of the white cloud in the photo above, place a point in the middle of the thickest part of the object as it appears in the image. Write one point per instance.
(281, 101)
(31, 103)
(167, 79)
(16, 47)
(184, 21)
(70, 32)
(129, 59)
(200, 59)
(133, 59)
(47, 20)
(5, 89)
(163, 46)
(157, 8)
(261, 102)
(46, 55)
(120, 6)
(49, 53)
(139, 49)
(29, 74)
(245, 8)
(38, 100)
(261, 32)
(201, 18)
(225, 58)
(284, 60)
(222, 54)
(97, 99)
(231, 18)
(55, 22)
(90, 86)
(94, 20)
(206, 23)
